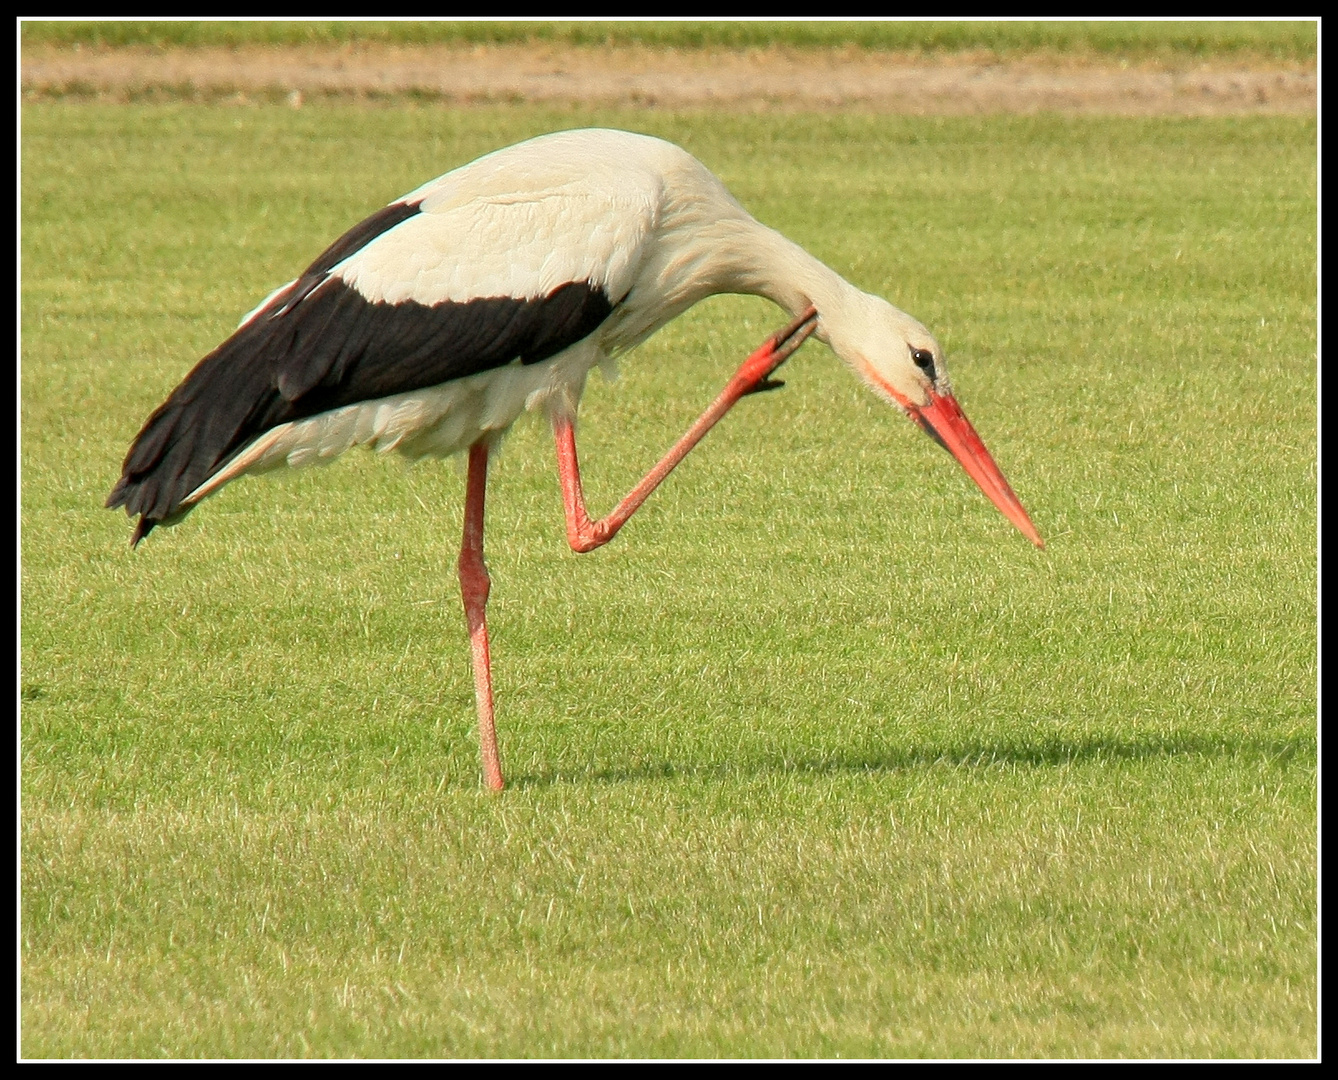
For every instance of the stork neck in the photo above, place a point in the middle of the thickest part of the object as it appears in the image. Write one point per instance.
(780, 270)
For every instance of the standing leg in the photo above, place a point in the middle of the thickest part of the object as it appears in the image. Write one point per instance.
(474, 586)
(753, 375)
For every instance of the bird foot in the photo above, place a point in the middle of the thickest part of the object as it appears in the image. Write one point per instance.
(785, 342)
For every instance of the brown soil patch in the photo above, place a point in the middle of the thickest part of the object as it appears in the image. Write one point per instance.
(765, 79)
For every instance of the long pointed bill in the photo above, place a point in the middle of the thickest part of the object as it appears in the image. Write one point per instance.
(945, 423)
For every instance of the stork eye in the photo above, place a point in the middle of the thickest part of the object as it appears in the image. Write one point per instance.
(924, 360)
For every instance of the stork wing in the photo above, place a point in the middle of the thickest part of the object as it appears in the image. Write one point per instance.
(434, 287)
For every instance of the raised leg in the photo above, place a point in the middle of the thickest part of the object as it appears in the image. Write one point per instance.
(474, 586)
(753, 375)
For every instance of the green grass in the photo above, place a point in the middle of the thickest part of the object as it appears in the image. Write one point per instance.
(819, 757)
(1279, 41)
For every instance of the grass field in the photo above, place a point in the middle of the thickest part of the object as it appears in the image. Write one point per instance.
(819, 757)
(1295, 41)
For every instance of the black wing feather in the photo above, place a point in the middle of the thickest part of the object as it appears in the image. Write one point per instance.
(319, 345)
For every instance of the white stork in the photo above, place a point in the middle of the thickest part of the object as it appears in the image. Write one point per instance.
(430, 327)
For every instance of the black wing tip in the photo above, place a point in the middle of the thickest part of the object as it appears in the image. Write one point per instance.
(142, 529)
(120, 496)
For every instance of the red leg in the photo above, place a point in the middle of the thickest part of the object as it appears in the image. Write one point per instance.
(474, 586)
(586, 535)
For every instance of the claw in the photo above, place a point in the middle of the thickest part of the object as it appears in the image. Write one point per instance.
(785, 342)
(755, 372)
(764, 386)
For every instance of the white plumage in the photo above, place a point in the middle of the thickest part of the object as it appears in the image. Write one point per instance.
(583, 215)
(433, 325)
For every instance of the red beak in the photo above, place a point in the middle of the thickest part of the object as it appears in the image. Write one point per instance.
(945, 423)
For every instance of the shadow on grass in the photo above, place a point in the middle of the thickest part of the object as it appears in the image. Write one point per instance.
(970, 755)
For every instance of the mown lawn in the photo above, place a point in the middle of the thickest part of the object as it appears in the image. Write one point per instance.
(819, 757)
(1176, 42)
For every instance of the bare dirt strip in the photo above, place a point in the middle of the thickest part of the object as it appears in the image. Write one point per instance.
(755, 79)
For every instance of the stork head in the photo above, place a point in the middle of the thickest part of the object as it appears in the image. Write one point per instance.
(899, 358)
